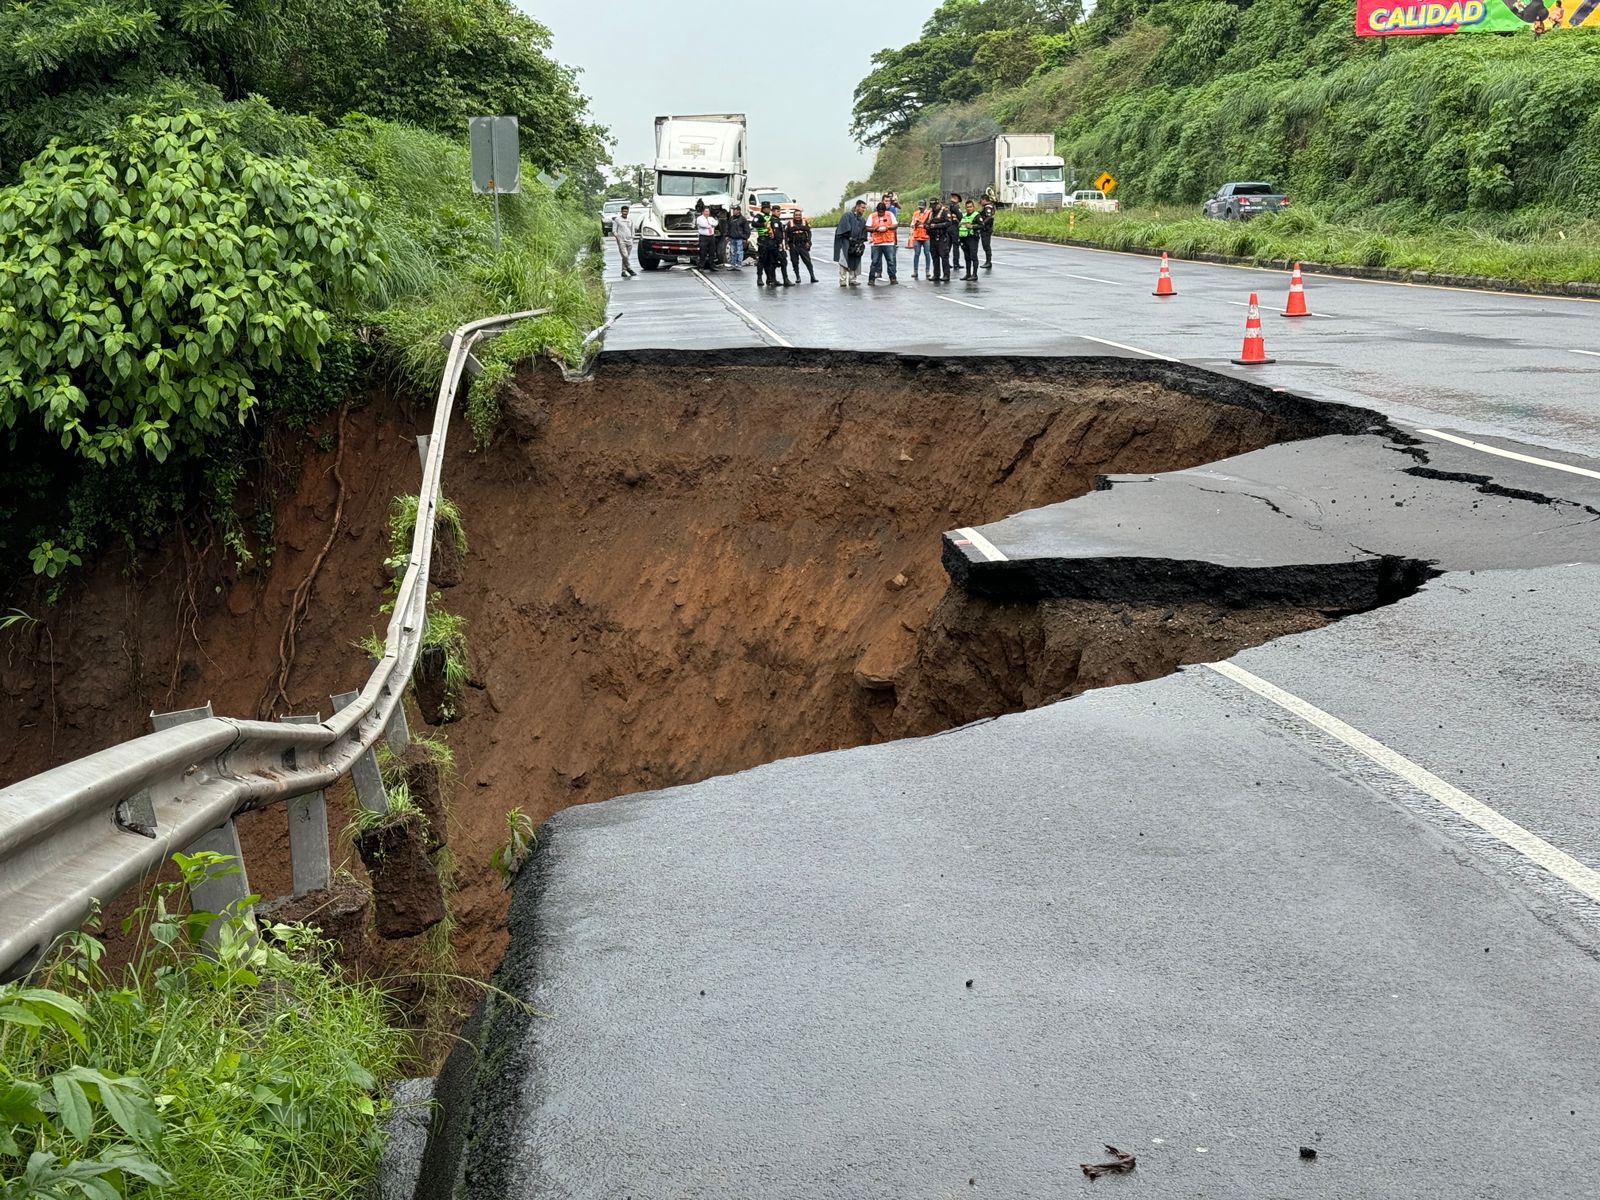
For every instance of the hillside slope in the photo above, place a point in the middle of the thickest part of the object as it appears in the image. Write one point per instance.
(1175, 97)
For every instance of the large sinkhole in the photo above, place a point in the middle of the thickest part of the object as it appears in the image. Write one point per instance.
(690, 564)
(693, 564)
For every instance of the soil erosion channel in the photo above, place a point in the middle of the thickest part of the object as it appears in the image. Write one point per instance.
(690, 565)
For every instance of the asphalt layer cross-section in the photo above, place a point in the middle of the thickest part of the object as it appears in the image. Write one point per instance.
(1168, 917)
(1336, 895)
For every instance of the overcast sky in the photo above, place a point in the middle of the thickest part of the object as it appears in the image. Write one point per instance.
(642, 58)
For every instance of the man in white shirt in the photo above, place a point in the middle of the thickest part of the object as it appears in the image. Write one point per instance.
(706, 226)
(622, 234)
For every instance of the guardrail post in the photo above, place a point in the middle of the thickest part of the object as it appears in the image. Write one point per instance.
(308, 834)
(214, 895)
(399, 731)
(368, 779)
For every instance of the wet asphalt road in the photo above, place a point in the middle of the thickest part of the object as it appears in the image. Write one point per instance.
(1477, 362)
(1339, 892)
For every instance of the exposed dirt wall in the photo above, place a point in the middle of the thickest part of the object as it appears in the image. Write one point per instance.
(684, 567)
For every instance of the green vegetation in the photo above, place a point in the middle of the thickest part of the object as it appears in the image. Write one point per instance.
(402, 810)
(1564, 252)
(248, 1069)
(446, 633)
(216, 250)
(1473, 155)
(403, 525)
(521, 837)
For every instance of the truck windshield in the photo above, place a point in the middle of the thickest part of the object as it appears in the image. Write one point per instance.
(1038, 174)
(671, 183)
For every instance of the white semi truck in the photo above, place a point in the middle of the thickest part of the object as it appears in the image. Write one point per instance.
(701, 158)
(1021, 170)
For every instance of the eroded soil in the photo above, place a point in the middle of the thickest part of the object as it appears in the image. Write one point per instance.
(678, 569)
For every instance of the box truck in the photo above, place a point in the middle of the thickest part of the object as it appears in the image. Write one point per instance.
(1019, 170)
(699, 158)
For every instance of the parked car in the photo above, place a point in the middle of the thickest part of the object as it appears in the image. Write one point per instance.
(1097, 200)
(611, 208)
(1241, 201)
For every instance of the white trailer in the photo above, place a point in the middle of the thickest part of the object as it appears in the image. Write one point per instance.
(1021, 170)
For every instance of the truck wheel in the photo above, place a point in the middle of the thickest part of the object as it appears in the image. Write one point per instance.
(649, 261)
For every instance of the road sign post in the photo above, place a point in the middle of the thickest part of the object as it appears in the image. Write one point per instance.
(496, 161)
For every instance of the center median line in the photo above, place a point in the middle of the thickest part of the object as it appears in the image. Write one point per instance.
(1577, 875)
(744, 313)
(963, 303)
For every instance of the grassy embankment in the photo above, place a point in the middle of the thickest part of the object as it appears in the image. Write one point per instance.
(1464, 155)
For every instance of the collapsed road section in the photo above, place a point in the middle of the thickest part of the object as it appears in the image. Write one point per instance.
(1163, 916)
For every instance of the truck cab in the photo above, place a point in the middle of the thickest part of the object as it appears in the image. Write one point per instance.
(700, 160)
(1037, 181)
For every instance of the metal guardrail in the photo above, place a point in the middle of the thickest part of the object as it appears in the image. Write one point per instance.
(88, 830)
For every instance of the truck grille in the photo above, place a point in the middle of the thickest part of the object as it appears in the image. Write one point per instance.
(1054, 199)
(681, 221)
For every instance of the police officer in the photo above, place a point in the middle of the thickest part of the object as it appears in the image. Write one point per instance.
(985, 225)
(954, 208)
(772, 258)
(969, 240)
(941, 236)
(800, 246)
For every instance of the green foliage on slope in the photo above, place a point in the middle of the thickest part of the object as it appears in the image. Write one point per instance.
(1177, 97)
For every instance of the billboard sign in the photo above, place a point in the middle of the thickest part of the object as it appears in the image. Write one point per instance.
(1390, 18)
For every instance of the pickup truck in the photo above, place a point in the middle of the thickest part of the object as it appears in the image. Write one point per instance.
(1242, 201)
(1096, 200)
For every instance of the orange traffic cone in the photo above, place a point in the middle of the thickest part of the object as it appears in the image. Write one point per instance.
(1255, 346)
(1164, 280)
(1297, 296)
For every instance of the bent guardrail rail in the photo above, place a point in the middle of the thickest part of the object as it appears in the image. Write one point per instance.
(88, 830)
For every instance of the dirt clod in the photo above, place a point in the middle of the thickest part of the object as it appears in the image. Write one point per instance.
(1120, 1164)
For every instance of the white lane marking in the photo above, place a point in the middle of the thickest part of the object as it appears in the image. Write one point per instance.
(963, 303)
(1435, 287)
(1530, 845)
(1512, 454)
(750, 318)
(1089, 337)
(1094, 279)
(1590, 353)
(981, 544)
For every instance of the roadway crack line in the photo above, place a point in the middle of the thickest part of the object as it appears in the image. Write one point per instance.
(1577, 875)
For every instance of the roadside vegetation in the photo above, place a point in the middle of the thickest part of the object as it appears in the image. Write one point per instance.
(223, 1060)
(1471, 155)
(218, 226)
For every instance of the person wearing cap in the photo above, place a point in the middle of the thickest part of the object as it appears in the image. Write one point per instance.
(850, 243)
(919, 243)
(800, 246)
(985, 224)
(954, 251)
(968, 231)
(622, 234)
(772, 259)
(881, 227)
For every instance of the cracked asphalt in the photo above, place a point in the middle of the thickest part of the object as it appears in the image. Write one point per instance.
(1338, 893)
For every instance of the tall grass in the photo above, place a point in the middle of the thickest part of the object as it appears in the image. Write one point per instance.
(442, 268)
(249, 1071)
(1543, 246)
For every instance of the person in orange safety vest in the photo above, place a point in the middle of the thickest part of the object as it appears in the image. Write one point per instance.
(881, 226)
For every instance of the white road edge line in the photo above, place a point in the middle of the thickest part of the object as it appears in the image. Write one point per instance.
(1581, 878)
(963, 303)
(982, 545)
(1089, 337)
(750, 318)
(1590, 353)
(1512, 454)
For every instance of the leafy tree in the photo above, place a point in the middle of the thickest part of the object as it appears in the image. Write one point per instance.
(145, 284)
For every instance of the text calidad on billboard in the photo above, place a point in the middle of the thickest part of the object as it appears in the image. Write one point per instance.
(1388, 18)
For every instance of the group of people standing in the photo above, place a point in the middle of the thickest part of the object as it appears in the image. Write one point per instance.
(780, 243)
(947, 233)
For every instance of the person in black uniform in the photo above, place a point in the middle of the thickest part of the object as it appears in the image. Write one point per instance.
(800, 246)
(985, 232)
(941, 236)
(772, 253)
(954, 255)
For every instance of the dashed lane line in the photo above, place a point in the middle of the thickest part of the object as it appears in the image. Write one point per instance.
(963, 303)
(1095, 279)
(1089, 337)
(1580, 877)
(1511, 454)
(749, 317)
(971, 537)
(1590, 353)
